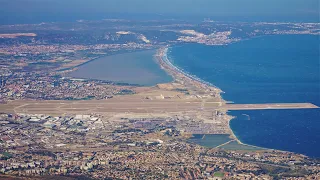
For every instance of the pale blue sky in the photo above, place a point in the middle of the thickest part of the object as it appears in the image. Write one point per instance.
(248, 8)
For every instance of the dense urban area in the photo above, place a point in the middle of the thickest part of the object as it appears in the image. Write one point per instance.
(147, 148)
(35, 59)
(108, 139)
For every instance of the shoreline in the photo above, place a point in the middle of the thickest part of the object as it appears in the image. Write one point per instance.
(136, 68)
(176, 74)
(70, 69)
(166, 60)
(179, 75)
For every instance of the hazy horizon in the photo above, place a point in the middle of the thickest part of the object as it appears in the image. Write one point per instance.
(23, 11)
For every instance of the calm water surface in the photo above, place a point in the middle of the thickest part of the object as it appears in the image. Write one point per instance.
(134, 68)
(269, 69)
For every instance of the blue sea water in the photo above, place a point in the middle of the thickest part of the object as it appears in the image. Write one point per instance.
(268, 69)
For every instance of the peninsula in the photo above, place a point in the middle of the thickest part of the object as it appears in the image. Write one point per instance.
(187, 96)
(119, 136)
(54, 125)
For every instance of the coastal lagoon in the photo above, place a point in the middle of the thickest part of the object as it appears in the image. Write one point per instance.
(134, 68)
(222, 141)
(268, 69)
(210, 140)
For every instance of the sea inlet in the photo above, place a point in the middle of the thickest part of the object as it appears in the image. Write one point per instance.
(137, 67)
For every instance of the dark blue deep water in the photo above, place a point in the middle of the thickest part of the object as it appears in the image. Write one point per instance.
(269, 69)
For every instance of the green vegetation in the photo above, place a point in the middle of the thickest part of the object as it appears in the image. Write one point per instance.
(278, 172)
(181, 90)
(6, 155)
(218, 174)
(125, 92)
(185, 91)
(78, 99)
(295, 173)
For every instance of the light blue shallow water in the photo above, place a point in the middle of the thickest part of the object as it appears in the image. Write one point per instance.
(269, 69)
(132, 67)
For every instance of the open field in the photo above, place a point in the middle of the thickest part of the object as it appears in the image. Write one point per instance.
(15, 35)
(73, 63)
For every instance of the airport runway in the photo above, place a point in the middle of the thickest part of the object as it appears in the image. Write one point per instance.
(134, 105)
(268, 106)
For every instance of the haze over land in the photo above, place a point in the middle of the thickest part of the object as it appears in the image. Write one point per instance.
(36, 11)
(144, 89)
